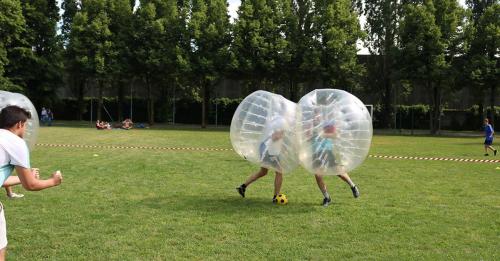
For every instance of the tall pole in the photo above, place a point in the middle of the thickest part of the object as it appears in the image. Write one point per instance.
(91, 105)
(173, 107)
(131, 99)
(216, 111)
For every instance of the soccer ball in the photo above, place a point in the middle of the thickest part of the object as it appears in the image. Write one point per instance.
(281, 199)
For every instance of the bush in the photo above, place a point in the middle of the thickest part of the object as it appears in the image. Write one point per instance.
(417, 117)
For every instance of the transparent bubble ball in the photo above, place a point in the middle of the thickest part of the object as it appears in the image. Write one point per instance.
(263, 131)
(334, 132)
(10, 98)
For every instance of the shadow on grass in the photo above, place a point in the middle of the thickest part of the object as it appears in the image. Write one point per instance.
(223, 205)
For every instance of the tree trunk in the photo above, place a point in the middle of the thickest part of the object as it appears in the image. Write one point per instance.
(436, 109)
(387, 106)
(480, 112)
(150, 103)
(492, 102)
(431, 112)
(293, 91)
(100, 102)
(121, 97)
(81, 102)
(204, 104)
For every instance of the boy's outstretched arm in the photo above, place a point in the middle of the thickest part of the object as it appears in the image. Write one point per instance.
(31, 183)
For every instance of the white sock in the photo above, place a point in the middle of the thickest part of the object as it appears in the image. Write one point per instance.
(351, 183)
(325, 194)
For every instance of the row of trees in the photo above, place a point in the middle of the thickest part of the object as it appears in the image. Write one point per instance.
(190, 45)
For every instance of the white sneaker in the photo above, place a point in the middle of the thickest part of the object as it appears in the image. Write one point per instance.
(15, 196)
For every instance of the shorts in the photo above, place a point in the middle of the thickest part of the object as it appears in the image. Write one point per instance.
(488, 141)
(323, 159)
(3, 228)
(268, 160)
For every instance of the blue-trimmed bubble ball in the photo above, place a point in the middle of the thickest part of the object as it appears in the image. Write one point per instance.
(334, 132)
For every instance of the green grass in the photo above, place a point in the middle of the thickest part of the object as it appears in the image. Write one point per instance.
(164, 205)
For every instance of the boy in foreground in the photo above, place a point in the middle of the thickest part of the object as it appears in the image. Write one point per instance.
(14, 154)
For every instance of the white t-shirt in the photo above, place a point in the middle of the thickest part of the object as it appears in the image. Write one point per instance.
(13, 152)
(273, 147)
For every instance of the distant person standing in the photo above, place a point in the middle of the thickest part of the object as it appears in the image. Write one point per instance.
(50, 117)
(44, 115)
(488, 140)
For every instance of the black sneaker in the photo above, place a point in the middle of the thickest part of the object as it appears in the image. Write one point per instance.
(355, 191)
(494, 152)
(241, 190)
(326, 202)
(275, 201)
(486, 154)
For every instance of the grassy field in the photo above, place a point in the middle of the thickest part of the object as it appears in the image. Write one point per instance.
(140, 204)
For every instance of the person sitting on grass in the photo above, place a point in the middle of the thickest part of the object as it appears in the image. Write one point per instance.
(98, 125)
(14, 154)
(102, 125)
(488, 141)
(127, 124)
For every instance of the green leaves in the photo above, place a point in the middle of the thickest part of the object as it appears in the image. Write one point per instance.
(260, 44)
(338, 30)
(11, 26)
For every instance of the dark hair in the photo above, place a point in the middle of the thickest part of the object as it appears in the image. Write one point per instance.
(11, 115)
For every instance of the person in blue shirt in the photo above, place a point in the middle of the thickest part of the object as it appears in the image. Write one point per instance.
(324, 158)
(488, 138)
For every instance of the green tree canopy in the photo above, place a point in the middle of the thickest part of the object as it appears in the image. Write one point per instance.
(338, 31)
(35, 58)
(210, 33)
(427, 32)
(11, 26)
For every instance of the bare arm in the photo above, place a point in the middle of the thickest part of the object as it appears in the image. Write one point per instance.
(30, 182)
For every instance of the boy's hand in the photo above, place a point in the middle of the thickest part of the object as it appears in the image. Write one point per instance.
(35, 172)
(57, 177)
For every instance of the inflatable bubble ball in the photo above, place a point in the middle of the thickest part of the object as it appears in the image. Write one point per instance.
(10, 98)
(334, 132)
(263, 131)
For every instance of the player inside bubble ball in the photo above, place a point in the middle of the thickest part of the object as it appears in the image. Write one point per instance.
(270, 150)
(324, 158)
